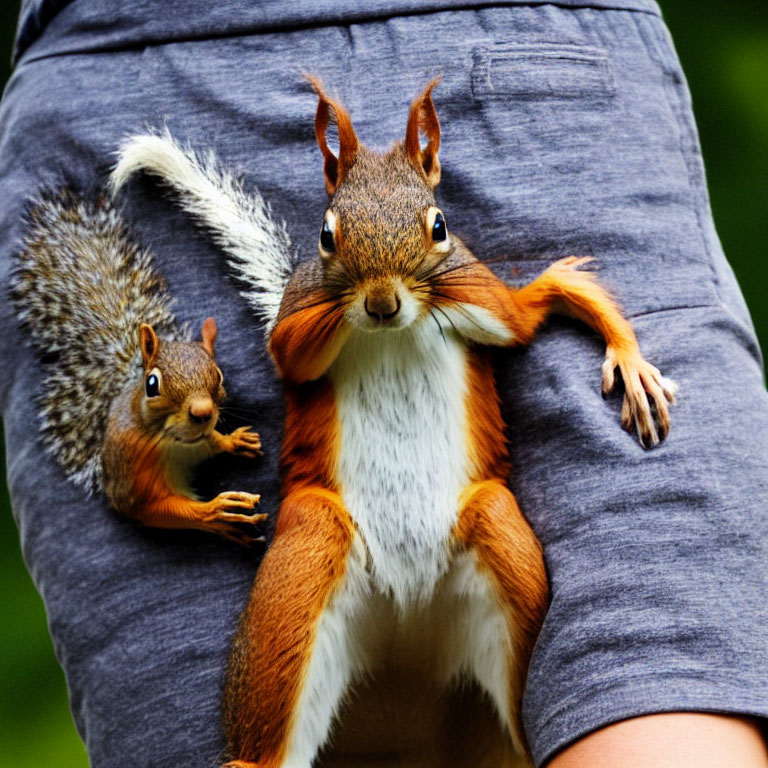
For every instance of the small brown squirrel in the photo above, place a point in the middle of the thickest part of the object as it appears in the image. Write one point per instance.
(121, 409)
(162, 429)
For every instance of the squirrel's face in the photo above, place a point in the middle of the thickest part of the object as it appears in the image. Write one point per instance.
(382, 237)
(183, 387)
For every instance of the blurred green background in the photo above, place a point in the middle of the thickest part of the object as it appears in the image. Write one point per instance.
(724, 50)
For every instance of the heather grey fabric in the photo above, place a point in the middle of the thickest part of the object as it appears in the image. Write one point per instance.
(99, 25)
(566, 130)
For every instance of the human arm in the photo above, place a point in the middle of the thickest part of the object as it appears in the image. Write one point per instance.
(670, 740)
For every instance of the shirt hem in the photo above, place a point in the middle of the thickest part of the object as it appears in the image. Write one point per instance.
(634, 697)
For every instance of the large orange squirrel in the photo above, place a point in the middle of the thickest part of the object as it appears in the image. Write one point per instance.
(398, 545)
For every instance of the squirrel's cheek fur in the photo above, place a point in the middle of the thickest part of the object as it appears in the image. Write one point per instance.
(155, 412)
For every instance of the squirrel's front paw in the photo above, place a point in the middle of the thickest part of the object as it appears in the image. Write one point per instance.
(646, 394)
(243, 442)
(226, 523)
(229, 500)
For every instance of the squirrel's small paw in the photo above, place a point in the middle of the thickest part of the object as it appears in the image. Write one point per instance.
(229, 524)
(646, 395)
(235, 499)
(243, 442)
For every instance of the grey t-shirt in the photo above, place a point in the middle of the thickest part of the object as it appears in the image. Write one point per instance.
(566, 130)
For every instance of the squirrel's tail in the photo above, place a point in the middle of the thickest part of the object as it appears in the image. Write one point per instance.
(258, 248)
(82, 288)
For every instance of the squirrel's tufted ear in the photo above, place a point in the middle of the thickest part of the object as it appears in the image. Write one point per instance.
(148, 343)
(330, 111)
(209, 335)
(423, 121)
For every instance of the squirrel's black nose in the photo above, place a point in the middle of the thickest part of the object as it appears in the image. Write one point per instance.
(382, 306)
(201, 410)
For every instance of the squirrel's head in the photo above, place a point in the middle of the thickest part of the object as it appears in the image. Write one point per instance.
(182, 385)
(382, 236)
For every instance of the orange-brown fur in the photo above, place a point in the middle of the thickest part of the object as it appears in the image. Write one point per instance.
(491, 523)
(335, 167)
(295, 580)
(487, 442)
(306, 342)
(311, 437)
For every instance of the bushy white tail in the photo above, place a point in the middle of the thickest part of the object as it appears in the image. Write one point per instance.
(257, 247)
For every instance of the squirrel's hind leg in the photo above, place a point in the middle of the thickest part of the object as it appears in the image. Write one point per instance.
(294, 655)
(508, 570)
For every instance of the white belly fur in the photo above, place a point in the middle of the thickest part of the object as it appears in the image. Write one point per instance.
(403, 454)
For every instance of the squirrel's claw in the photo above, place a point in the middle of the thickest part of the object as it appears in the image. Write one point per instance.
(243, 442)
(233, 500)
(227, 523)
(647, 393)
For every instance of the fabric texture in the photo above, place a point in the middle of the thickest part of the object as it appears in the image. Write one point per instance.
(566, 130)
(99, 25)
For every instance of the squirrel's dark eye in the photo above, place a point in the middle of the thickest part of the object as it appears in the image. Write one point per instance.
(438, 228)
(326, 238)
(152, 386)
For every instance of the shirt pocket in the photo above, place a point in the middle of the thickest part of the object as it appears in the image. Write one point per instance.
(538, 71)
(574, 151)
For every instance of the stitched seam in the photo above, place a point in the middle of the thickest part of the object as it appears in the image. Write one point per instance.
(713, 677)
(748, 703)
(682, 307)
(671, 85)
(317, 24)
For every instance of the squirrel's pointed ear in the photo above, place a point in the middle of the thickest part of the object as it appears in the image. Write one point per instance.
(423, 121)
(148, 343)
(330, 111)
(209, 335)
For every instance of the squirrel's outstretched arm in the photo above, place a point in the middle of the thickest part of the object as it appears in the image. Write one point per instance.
(512, 316)
(220, 515)
(564, 288)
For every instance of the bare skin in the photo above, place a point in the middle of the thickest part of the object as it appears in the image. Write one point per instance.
(674, 740)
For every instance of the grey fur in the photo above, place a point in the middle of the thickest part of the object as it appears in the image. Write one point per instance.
(82, 287)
